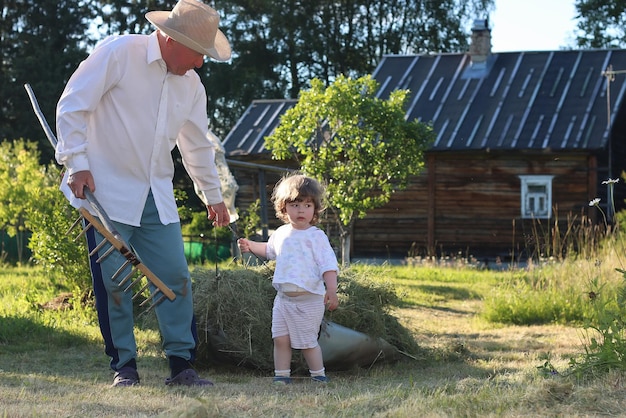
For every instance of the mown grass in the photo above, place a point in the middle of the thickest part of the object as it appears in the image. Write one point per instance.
(483, 357)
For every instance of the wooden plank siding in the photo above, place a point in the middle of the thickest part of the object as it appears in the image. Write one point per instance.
(470, 203)
(463, 202)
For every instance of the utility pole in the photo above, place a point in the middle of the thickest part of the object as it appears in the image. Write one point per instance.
(609, 73)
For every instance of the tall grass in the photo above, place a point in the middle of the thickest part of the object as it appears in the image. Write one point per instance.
(52, 362)
(581, 279)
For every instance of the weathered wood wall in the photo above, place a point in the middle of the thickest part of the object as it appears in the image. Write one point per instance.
(470, 203)
(463, 202)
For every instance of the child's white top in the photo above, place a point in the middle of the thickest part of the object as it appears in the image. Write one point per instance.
(302, 257)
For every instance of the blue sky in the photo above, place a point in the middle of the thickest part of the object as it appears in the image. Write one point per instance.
(532, 25)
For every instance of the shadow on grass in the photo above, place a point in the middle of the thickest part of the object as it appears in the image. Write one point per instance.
(436, 293)
(439, 309)
(19, 335)
(449, 292)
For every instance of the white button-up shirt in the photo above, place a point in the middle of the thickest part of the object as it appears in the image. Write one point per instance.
(120, 116)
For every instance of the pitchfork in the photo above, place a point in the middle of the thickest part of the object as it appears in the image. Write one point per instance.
(104, 226)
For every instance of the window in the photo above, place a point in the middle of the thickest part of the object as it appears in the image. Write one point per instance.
(536, 197)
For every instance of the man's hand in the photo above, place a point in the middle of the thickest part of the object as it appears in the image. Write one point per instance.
(219, 214)
(79, 180)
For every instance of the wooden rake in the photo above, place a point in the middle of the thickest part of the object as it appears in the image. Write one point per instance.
(103, 224)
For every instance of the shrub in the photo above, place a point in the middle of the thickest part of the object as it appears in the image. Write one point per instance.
(62, 258)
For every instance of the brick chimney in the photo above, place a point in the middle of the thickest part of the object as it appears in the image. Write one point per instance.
(480, 46)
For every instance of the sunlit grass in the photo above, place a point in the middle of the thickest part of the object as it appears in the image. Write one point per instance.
(54, 361)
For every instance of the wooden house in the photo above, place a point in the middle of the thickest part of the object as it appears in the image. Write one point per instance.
(524, 142)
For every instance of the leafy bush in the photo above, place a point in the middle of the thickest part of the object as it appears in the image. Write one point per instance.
(604, 332)
(250, 219)
(21, 180)
(30, 201)
(62, 258)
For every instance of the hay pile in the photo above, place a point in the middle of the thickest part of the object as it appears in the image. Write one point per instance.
(233, 309)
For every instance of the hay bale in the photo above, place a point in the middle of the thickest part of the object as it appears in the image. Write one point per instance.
(234, 313)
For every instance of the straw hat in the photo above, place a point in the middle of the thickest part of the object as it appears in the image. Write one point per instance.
(193, 24)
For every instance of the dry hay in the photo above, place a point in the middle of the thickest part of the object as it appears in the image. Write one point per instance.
(234, 313)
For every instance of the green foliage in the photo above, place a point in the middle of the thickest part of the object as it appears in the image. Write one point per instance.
(601, 24)
(250, 219)
(33, 33)
(604, 330)
(184, 212)
(280, 46)
(30, 200)
(199, 226)
(21, 177)
(359, 145)
(61, 257)
(22, 181)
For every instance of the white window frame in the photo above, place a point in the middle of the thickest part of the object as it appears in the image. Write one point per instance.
(536, 204)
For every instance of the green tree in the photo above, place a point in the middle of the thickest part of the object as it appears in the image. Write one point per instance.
(279, 46)
(359, 145)
(21, 181)
(127, 16)
(601, 23)
(41, 43)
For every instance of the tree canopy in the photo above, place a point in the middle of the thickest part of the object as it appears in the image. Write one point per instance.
(278, 47)
(41, 43)
(601, 23)
(359, 145)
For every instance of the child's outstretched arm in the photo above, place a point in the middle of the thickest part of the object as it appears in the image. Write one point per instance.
(254, 247)
(330, 299)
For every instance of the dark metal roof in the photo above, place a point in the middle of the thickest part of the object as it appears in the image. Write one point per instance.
(516, 100)
(258, 121)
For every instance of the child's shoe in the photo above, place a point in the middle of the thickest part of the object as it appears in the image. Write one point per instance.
(320, 379)
(282, 380)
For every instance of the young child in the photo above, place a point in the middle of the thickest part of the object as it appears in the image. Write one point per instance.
(305, 276)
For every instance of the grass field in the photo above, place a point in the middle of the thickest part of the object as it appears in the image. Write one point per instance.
(52, 364)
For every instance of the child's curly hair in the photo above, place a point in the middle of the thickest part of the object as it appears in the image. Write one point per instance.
(297, 187)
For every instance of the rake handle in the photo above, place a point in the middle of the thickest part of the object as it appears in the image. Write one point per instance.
(109, 230)
(97, 207)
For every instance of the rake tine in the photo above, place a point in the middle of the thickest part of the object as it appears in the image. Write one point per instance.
(76, 222)
(156, 291)
(158, 301)
(134, 282)
(106, 254)
(98, 247)
(89, 225)
(140, 291)
(127, 277)
(120, 270)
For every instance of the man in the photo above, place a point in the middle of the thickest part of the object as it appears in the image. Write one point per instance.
(122, 112)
